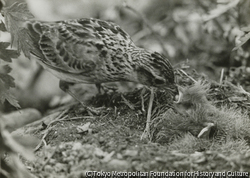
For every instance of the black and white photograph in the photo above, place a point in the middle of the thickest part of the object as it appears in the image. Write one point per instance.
(124, 88)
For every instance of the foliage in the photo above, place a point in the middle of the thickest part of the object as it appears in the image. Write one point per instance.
(244, 38)
(211, 34)
(2, 27)
(7, 54)
(13, 16)
(7, 81)
(221, 9)
(203, 31)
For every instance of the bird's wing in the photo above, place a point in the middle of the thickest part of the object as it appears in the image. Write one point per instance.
(76, 46)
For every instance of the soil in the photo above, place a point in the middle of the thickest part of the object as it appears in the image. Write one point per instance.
(75, 144)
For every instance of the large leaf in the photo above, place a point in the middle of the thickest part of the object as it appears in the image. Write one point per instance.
(14, 16)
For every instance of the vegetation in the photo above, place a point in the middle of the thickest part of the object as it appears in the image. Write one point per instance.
(208, 44)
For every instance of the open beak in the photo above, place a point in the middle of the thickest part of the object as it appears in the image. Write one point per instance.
(206, 129)
(178, 95)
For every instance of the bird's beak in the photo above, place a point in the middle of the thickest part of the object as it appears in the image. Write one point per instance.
(178, 95)
(206, 129)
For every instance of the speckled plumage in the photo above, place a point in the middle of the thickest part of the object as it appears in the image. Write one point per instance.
(96, 51)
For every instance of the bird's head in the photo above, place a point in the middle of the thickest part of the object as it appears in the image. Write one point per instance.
(155, 70)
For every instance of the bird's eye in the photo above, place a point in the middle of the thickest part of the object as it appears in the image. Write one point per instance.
(159, 81)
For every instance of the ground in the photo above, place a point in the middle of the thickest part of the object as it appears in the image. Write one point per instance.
(72, 143)
(61, 139)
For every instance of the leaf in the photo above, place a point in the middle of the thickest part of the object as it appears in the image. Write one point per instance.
(19, 11)
(2, 27)
(16, 12)
(84, 128)
(14, 16)
(221, 9)
(7, 54)
(7, 82)
(25, 42)
(6, 95)
(6, 69)
(243, 40)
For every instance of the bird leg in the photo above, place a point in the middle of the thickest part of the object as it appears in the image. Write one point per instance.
(99, 87)
(150, 105)
(142, 100)
(65, 87)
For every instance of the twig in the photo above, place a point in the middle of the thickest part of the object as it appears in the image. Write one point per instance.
(49, 158)
(112, 123)
(128, 103)
(49, 128)
(221, 75)
(34, 80)
(79, 117)
(56, 120)
(149, 26)
(243, 91)
(238, 89)
(116, 113)
(182, 71)
(42, 140)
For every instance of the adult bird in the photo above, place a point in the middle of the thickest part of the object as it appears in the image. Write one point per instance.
(92, 51)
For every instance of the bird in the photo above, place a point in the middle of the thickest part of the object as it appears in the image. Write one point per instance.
(94, 51)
